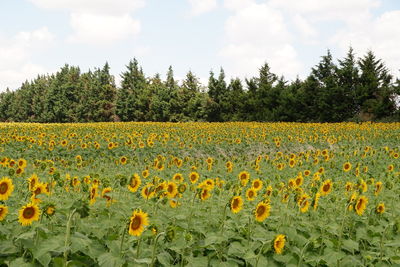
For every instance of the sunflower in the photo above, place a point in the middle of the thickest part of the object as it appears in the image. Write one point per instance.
(326, 187)
(268, 191)
(299, 180)
(347, 166)
(279, 243)
(390, 168)
(316, 200)
(172, 189)
(244, 178)
(123, 160)
(307, 172)
(194, 177)
(19, 171)
(21, 163)
(363, 186)
(303, 203)
(93, 193)
(361, 205)
(3, 212)
(262, 211)
(229, 165)
(205, 193)
(209, 183)
(380, 208)
(50, 210)
(28, 214)
(251, 194)
(145, 173)
(6, 188)
(104, 194)
(173, 203)
(378, 188)
(178, 178)
(257, 184)
(348, 186)
(134, 183)
(148, 191)
(137, 223)
(236, 204)
(39, 188)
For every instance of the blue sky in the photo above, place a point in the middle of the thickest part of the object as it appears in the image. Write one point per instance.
(40, 36)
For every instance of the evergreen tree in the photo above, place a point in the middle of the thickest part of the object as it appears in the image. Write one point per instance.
(132, 84)
(375, 96)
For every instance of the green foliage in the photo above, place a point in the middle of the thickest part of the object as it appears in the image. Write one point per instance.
(350, 90)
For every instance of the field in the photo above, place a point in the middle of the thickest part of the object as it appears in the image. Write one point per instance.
(199, 194)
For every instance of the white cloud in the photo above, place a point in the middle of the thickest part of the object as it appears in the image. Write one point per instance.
(15, 56)
(238, 4)
(110, 7)
(346, 10)
(304, 27)
(381, 35)
(102, 29)
(257, 33)
(202, 6)
(98, 21)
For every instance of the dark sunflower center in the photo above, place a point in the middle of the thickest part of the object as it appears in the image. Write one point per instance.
(251, 194)
(326, 187)
(204, 193)
(235, 203)
(256, 184)
(359, 204)
(28, 213)
(243, 176)
(37, 191)
(170, 188)
(3, 188)
(135, 223)
(261, 210)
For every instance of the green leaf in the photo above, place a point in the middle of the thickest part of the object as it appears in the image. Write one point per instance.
(7, 247)
(164, 258)
(108, 259)
(350, 245)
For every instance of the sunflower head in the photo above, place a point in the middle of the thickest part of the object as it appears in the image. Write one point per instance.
(279, 244)
(3, 212)
(361, 205)
(262, 211)
(236, 204)
(6, 188)
(380, 208)
(326, 187)
(138, 221)
(28, 214)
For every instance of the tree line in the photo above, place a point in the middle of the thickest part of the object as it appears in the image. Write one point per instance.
(350, 90)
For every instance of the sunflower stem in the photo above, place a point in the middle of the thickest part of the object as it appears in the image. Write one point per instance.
(302, 252)
(138, 247)
(68, 236)
(249, 229)
(223, 219)
(153, 256)
(122, 240)
(341, 230)
(260, 252)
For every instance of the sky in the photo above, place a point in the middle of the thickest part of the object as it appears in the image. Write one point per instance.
(40, 36)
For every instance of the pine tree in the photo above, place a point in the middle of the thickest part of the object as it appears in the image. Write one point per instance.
(375, 96)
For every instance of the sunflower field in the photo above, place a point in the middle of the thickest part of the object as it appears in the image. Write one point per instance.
(199, 194)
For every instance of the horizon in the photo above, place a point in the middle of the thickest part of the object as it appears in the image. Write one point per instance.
(238, 36)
